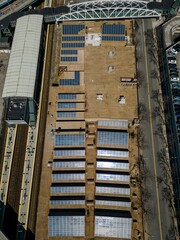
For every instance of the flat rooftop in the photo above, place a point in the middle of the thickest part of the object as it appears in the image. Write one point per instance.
(87, 148)
(98, 80)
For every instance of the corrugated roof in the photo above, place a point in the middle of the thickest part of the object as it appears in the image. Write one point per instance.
(22, 67)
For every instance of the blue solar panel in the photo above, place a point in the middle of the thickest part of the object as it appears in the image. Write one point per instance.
(113, 29)
(79, 201)
(72, 45)
(69, 52)
(113, 38)
(72, 29)
(69, 59)
(73, 38)
(77, 75)
(69, 82)
(66, 96)
(67, 105)
(66, 114)
(75, 81)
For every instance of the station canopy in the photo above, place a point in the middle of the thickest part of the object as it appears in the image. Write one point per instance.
(22, 68)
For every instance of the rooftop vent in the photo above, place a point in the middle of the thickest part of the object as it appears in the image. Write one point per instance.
(111, 53)
(121, 100)
(99, 96)
(110, 68)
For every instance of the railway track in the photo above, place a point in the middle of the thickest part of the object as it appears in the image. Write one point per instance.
(21, 193)
(11, 205)
(16, 6)
(7, 162)
(32, 166)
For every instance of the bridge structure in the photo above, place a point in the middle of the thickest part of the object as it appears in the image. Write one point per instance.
(89, 10)
(108, 9)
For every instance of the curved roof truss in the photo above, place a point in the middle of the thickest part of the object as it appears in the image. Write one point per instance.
(108, 9)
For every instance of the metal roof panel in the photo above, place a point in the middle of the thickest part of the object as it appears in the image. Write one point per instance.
(22, 67)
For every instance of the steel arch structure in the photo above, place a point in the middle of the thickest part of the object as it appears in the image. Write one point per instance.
(108, 9)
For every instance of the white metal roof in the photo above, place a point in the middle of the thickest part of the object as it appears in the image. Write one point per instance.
(22, 67)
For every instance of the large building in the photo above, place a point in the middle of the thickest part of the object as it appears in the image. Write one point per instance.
(74, 168)
(88, 181)
(85, 188)
(21, 83)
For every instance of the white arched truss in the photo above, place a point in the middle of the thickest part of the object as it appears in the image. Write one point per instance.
(108, 9)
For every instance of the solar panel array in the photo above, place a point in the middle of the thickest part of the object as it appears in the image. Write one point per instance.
(112, 177)
(112, 153)
(72, 29)
(66, 114)
(113, 38)
(66, 226)
(69, 164)
(113, 123)
(69, 140)
(67, 96)
(113, 29)
(69, 59)
(115, 165)
(73, 45)
(75, 225)
(110, 226)
(67, 202)
(67, 176)
(107, 137)
(73, 38)
(69, 52)
(69, 153)
(67, 105)
(113, 190)
(113, 203)
(115, 227)
(69, 82)
(67, 189)
(75, 81)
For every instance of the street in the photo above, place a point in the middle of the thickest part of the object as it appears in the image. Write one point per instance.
(158, 222)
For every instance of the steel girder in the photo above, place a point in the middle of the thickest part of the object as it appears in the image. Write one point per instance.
(108, 9)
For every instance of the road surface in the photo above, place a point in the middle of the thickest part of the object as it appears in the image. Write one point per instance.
(158, 220)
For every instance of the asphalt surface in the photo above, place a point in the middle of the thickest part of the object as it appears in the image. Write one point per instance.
(158, 219)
